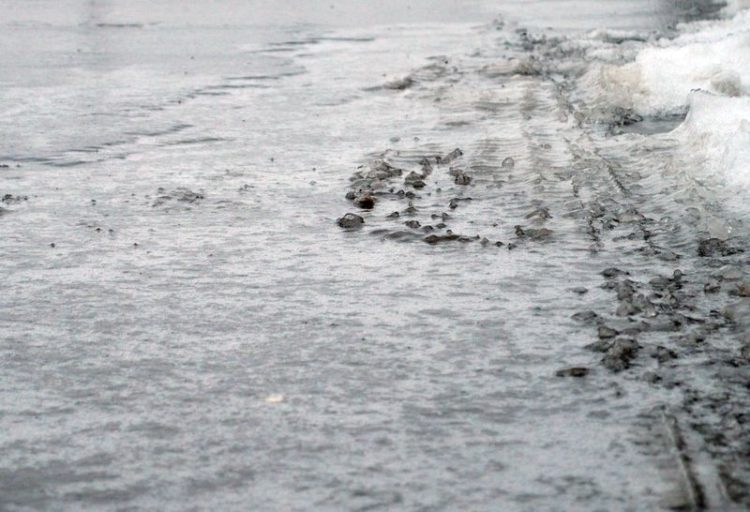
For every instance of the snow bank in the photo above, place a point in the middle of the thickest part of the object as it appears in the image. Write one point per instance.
(715, 136)
(735, 6)
(712, 56)
(705, 73)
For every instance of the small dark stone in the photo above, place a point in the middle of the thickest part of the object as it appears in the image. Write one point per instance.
(599, 346)
(366, 202)
(741, 290)
(462, 179)
(579, 290)
(619, 356)
(350, 221)
(415, 180)
(181, 194)
(453, 155)
(636, 329)
(456, 201)
(414, 224)
(611, 272)
(351, 196)
(660, 282)
(394, 215)
(627, 308)
(508, 163)
(716, 247)
(426, 166)
(399, 84)
(605, 332)
(400, 235)
(412, 177)
(585, 316)
(663, 354)
(540, 214)
(625, 290)
(625, 117)
(533, 233)
(436, 239)
(576, 371)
